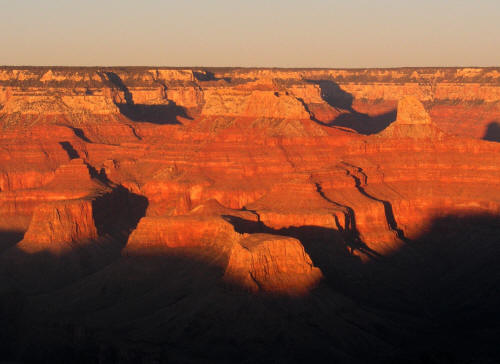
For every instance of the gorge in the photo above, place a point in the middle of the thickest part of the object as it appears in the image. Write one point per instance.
(249, 215)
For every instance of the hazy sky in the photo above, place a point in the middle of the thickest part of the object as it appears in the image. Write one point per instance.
(272, 33)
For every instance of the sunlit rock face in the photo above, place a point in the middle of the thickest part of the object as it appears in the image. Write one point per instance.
(412, 112)
(269, 263)
(55, 225)
(214, 209)
(412, 121)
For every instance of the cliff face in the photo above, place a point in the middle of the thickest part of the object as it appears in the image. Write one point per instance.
(273, 264)
(453, 95)
(54, 225)
(287, 144)
(342, 150)
(273, 182)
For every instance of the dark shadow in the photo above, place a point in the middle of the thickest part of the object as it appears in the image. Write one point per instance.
(72, 153)
(117, 82)
(99, 175)
(492, 132)
(341, 100)
(156, 114)
(334, 95)
(208, 76)
(306, 108)
(350, 231)
(94, 173)
(331, 250)
(117, 213)
(9, 238)
(80, 134)
(363, 123)
(434, 301)
(450, 277)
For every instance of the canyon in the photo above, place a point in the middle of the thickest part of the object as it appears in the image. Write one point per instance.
(249, 215)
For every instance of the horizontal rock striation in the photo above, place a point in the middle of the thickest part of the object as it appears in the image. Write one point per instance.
(165, 198)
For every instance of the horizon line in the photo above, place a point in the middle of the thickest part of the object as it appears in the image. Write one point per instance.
(246, 67)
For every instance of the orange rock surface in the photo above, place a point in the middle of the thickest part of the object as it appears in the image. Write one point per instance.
(58, 224)
(268, 179)
(277, 264)
(282, 144)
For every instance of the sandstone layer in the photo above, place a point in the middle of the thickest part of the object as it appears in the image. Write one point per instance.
(149, 208)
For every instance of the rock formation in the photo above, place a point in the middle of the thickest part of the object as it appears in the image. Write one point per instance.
(268, 263)
(412, 121)
(56, 227)
(202, 207)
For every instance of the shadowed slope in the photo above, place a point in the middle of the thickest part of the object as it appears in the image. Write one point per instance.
(492, 132)
(402, 308)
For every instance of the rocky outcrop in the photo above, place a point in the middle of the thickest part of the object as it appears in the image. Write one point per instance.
(203, 227)
(254, 104)
(59, 227)
(412, 121)
(273, 264)
(156, 235)
(412, 112)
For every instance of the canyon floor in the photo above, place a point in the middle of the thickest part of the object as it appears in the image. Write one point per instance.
(173, 215)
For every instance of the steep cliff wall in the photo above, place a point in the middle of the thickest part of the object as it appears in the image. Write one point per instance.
(345, 98)
(347, 211)
(293, 148)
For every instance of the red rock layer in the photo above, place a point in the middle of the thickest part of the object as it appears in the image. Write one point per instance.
(269, 263)
(217, 154)
(57, 227)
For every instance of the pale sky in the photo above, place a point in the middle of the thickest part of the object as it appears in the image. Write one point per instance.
(250, 33)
